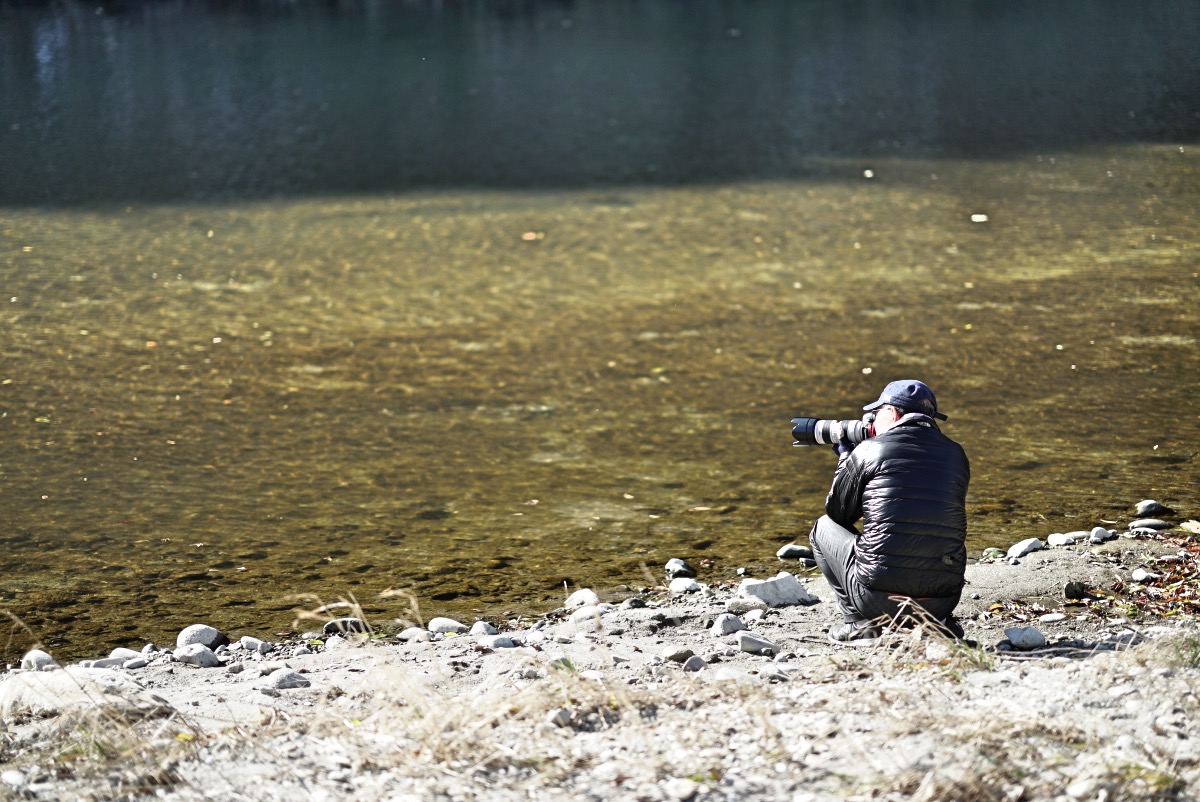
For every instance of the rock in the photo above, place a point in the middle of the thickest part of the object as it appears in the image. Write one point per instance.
(199, 633)
(1059, 539)
(1025, 638)
(633, 603)
(135, 663)
(415, 635)
(483, 628)
(497, 642)
(684, 585)
(584, 597)
(680, 789)
(256, 645)
(794, 552)
(727, 624)
(12, 778)
(335, 642)
(1101, 535)
(343, 626)
(446, 626)
(590, 613)
(677, 654)
(678, 568)
(1076, 590)
(124, 654)
(149, 649)
(286, 678)
(1150, 507)
(694, 663)
(37, 660)
(107, 662)
(197, 654)
(40, 694)
(992, 553)
(782, 591)
(559, 718)
(1050, 618)
(1149, 523)
(1142, 575)
(1027, 546)
(755, 615)
(739, 606)
(756, 645)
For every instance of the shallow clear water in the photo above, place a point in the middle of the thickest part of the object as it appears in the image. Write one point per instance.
(483, 396)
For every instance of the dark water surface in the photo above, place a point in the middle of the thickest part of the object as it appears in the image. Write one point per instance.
(215, 395)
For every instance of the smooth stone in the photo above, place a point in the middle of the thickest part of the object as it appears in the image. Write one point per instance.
(286, 678)
(1025, 638)
(149, 649)
(135, 663)
(1075, 590)
(676, 567)
(12, 778)
(676, 654)
(446, 626)
(992, 553)
(694, 663)
(683, 585)
(782, 591)
(1103, 535)
(415, 634)
(1026, 546)
(1060, 539)
(124, 654)
(107, 662)
(335, 642)
(739, 606)
(1149, 523)
(483, 628)
(497, 642)
(727, 624)
(755, 615)
(756, 645)
(1142, 575)
(343, 626)
(37, 660)
(793, 551)
(197, 654)
(1150, 507)
(559, 718)
(201, 634)
(633, 603)
(584, 597)
(1050, 618)
(589, 613)
(256, 645)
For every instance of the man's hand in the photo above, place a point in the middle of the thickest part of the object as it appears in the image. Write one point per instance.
(841, 443)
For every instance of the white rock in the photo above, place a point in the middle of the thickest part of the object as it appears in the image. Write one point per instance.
(1050, 618)
(446, 626)
(415, 635)
(1060, 539)
(38, 694)
(793, 551)
(1149, 523)
(694, 663)
(589, 613)
(256, 645)
(107, 662)
(584, 597)
(1027, 546)
(37, 660)
(197, 654)
(1025, 638)
(1142, 575)
(198, 633)
(1101, 535)
(497, 642)
(135, 663)
(483, 628)
(676, 568)
(683, 584)
(781, 591)
(124, 654)
(756, 645)
(680, 789)
(1149, 507)
(285, 678)
(727, 624)
(12, 778)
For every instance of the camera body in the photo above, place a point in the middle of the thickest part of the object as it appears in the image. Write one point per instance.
(818, 432)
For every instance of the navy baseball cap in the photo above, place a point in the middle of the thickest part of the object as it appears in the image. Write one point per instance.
(909, 395)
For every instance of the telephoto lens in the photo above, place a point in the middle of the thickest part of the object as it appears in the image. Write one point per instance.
(817, 432)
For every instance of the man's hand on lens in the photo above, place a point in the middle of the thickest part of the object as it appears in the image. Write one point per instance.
(841, 443)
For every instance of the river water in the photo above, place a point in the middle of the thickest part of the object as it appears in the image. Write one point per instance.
(550, 338)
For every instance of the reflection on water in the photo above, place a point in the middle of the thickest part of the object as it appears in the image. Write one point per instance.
(483, 396)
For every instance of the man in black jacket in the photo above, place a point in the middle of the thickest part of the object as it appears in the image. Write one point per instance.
(908, 484)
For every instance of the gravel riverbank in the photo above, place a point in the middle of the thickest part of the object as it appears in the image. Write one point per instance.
(1069, 688)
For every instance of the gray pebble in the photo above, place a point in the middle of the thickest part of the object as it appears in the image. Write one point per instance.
(694, 663)
(727, 624)
(683, 584)
(37, 660)
(756, 645)
(199, 633)
(559, 718)
(1150, 507)
(580, 598)
(415, 635)
(633, 603)
(484, 628)
(1026, 546)
(677, 654)
(1149, 523)
(497, 642)
(197, 654)
(235, 668)
(286, 678)
(127, 654)
(678, 568)
(256, 645)
(446, 625)
(794, 552)
(1059, 539)
(1101, 535)
(135, 663)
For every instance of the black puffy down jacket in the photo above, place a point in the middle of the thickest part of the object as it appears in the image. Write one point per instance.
(909, 485)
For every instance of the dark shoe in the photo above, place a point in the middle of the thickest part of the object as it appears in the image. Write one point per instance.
(949, 626)
(854, 632)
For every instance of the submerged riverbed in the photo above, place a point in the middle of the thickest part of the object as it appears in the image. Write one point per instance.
(481, 397)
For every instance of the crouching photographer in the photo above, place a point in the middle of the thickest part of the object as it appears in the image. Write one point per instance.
(907, 481)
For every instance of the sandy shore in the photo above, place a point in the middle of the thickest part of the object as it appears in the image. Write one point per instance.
(604, 708)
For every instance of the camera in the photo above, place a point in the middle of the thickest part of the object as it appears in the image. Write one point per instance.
(817, 432)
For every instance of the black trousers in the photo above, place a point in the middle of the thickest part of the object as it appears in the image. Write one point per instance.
(833, 548)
